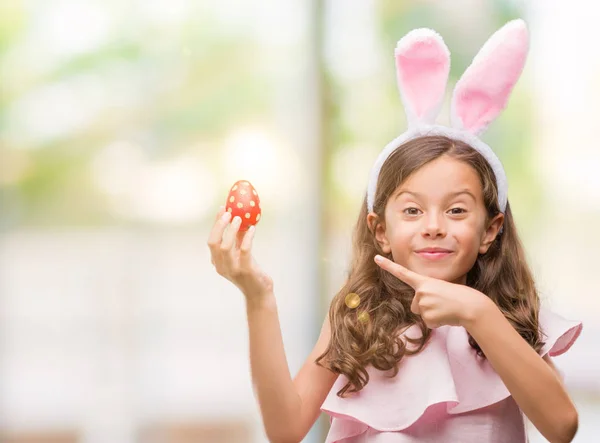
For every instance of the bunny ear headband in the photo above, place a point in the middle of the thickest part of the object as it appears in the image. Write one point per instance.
(422, 67)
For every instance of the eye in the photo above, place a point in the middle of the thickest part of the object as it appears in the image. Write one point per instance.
(411, 211)
(460, 211)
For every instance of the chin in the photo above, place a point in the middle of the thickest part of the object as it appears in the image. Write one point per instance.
(441, 272)
(431, 271)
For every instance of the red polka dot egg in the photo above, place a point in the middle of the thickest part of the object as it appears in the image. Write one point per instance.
(243, 202)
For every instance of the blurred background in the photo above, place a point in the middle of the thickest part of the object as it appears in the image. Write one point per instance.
(123, 125)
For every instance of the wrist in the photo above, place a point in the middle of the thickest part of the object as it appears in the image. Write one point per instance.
(260, 300)
(477, 311)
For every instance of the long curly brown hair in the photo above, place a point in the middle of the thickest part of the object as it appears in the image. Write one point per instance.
(371, 333)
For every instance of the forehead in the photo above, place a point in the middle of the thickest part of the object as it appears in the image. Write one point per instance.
(442, 176)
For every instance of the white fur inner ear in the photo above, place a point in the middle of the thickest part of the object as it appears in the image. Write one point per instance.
(422, 68)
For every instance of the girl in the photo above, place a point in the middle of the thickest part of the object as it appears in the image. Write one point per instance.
(437, 334)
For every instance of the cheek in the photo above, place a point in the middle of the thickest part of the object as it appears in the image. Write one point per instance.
(469, 238)
(469, 230)
(400, 243)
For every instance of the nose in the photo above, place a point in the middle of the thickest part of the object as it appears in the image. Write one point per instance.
(434, 226)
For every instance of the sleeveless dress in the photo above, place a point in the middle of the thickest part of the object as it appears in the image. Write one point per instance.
(445, 393)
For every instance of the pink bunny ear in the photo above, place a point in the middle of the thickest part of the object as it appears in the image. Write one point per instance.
(482, 92)
(422, 67)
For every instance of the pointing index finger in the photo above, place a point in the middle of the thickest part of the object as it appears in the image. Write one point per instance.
(406, 275)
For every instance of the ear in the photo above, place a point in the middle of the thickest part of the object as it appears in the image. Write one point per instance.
(379, 232)
(422, 67)
(483, 91)
(491, 233)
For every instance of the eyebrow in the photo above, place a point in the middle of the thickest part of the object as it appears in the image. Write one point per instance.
(451, 194)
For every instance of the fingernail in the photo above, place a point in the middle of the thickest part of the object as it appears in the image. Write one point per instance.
(378, 258)
(237, 219)
(225, 216)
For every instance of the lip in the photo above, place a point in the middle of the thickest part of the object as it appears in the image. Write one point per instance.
(434, 253)
(434, 250)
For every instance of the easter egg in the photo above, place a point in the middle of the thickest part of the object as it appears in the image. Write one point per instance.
(243, 202)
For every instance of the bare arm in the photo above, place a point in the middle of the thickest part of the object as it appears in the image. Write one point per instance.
(288, 407)
(314, 382)
(533, 382)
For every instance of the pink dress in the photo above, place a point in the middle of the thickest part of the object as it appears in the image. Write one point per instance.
(443, 394)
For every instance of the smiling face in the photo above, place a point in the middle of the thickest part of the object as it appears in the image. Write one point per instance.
(436, 222)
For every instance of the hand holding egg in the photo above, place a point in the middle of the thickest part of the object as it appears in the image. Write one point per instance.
(231, 249)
